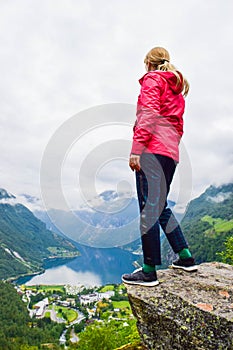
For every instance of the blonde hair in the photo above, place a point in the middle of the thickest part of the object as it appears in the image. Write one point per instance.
(159, 58)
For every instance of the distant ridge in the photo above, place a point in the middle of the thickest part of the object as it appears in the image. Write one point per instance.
(4, 194)
(110, 219)
(207, 224)
(24, 240)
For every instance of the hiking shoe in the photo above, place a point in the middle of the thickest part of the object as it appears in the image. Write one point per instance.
(187, 264)
(141, 278)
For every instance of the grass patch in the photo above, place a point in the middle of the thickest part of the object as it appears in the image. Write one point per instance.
(218, 225)
(224, 226)
(68, 314)
(123, 304)
(52, 288)
(107, 288)
(23, 287)
(59, 252)
(71, 315)
(121, 287)
(114, 287)
(44, 288)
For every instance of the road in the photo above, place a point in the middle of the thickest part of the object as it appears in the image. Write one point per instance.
(53, 316)
(73, 337)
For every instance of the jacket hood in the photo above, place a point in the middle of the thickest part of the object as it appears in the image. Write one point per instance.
(171, 79)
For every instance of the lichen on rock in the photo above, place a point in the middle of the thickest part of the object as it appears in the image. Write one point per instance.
(186, 310)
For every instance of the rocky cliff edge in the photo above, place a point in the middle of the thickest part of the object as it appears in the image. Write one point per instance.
(186, 310)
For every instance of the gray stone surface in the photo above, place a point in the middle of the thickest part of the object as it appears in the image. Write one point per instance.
(192, 311)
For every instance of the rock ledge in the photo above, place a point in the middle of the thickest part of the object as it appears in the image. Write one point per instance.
(186, 310)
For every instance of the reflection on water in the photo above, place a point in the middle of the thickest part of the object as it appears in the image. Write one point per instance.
(65, 275)
(95, 266)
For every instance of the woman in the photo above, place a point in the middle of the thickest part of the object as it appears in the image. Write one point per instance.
(154, 156)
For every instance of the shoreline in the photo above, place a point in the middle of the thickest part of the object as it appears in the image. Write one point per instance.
(14, 279)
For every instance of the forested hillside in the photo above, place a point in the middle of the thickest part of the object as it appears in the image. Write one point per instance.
(208, 223)
(25, 241)
(17, 330)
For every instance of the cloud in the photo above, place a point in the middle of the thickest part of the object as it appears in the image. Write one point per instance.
(32, 203)
(68, 276)
(59, 58)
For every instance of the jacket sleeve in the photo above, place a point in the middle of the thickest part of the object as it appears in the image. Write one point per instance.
(148, 109)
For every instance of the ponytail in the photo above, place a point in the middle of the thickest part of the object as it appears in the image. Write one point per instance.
(159, 58)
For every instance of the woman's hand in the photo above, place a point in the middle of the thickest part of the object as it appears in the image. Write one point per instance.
(134, 162)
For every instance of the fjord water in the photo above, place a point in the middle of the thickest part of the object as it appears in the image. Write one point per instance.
(94, 267)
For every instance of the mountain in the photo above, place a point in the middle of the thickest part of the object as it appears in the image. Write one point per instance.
(207, 223)
(110, 219)
(4, 195)
(25, 241)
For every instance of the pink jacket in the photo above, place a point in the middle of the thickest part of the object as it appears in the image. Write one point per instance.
(159, 125)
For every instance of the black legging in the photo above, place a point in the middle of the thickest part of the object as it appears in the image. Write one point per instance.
(153, 184)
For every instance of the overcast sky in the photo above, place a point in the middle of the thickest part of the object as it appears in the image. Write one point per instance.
(59, 58)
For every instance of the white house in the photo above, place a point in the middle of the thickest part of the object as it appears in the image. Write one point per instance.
(40, 307)
(89, 298)
(106, 295)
